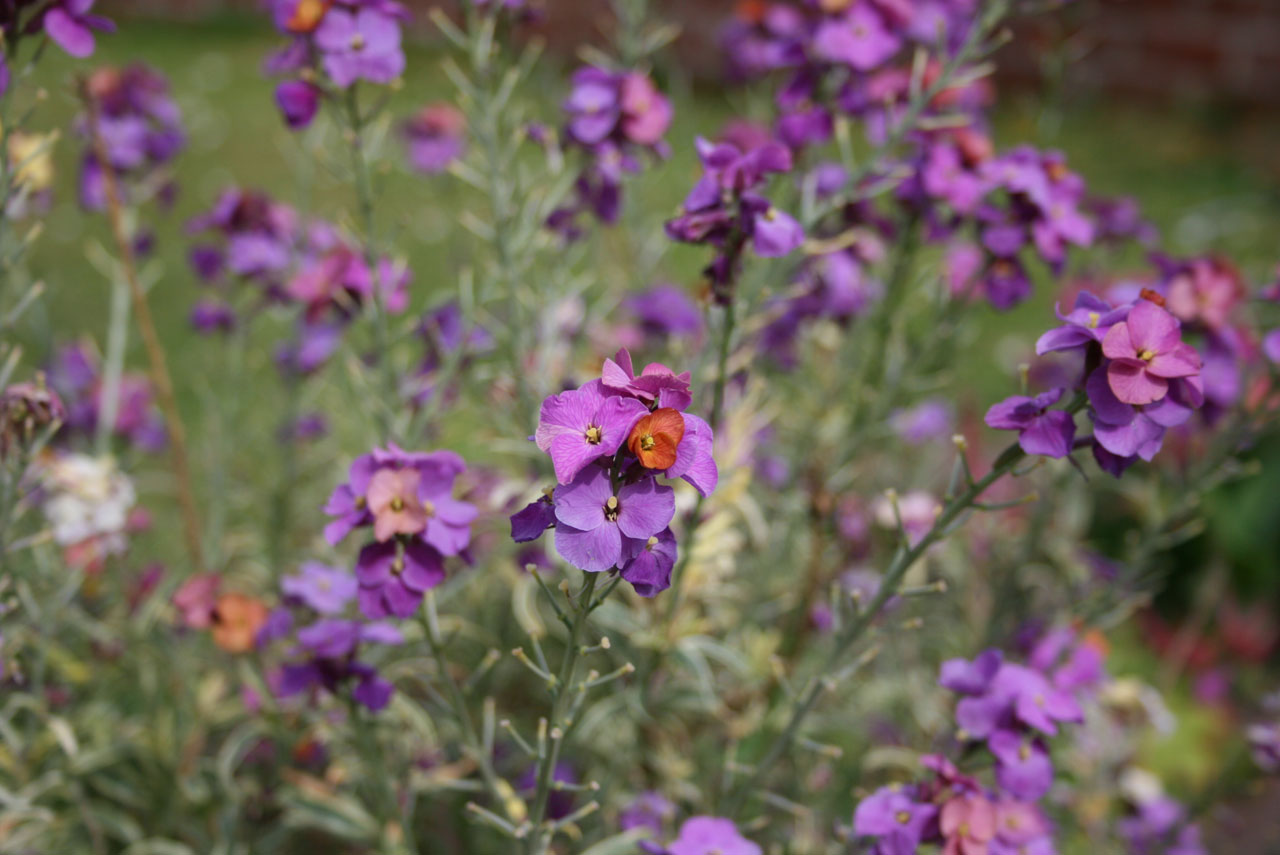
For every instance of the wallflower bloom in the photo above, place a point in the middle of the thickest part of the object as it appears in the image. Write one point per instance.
(592, 519)
(394, 576)
(968, 824)
(583, 425)
(1040, 430)
(324, 589)
(1146, 351)
(237, 618)
(363, 44)
(709, 835)
(648, 563)
(71, 26)
(436, 137)
(655, 437)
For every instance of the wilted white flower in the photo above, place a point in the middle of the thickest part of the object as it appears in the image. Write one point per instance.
(87, 497)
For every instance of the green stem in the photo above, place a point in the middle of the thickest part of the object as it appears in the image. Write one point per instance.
(365, 202)
(540, 839)
(902, 562)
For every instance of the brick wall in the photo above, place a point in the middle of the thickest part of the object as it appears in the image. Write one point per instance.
(1197, 50)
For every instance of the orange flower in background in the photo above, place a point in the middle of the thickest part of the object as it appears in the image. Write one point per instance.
(236, 621)
(654, 438)
(307, 15)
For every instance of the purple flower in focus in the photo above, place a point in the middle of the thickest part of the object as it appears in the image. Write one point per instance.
(592, 520)
(393, 577)
(1040, 430)
(1089, 321)
(894, 812)
(648, 563)
(580, 426)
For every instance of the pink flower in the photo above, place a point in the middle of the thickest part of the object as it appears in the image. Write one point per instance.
(968, 823)
(1146, 352)
(393, 500)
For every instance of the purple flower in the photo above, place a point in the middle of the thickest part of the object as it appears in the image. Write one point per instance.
(648, 563)
(436, 137)
(893, 811)
(529, 523)
(648, 810)
(665, 310)
(324, 589)
(858, 38)
(209, 316)
(709, 835)
(592, 106)
(298, 101)
(71, 26)
(1023, 768)
(1040, 430)
(360, 45)
(393, 577)
(1146, 351)
(592, 520)
(1089, 321)
(695, 462)
(1264, 743)
(927, 421)
(583, 425)
(971, 678)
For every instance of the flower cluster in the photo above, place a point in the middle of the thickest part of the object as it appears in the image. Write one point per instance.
(726, 210)
(309, 265)
(1139, 378)
(1010, 710)
(613, 117)
(77, 378)
(1023, 201)
(332, 45)
(325, 653)
(407, 499)
(609, 441)
(140, 131)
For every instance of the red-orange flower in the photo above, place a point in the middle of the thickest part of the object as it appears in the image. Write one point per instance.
(654, 438)
(236, 621)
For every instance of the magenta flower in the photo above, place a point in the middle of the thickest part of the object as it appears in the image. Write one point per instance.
(592, 519)
(646, 112)
(393, 577)
(360, 45)
(1146, 351)
(71, 27)
(857, 38)
(1040, 430)
(709, 835)
(657, 385)
(579, 426)
(393, 501)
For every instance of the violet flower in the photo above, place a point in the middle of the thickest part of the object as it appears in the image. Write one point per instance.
(363, 44)
(1146, 351)
(1040, 430)
(583, 425)
(592, 519)
(71, 26)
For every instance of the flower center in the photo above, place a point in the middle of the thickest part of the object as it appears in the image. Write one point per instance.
(651, 543)
(1039, 700)
(594, 435)
(357, 41)
(428, 509)
(771, 214)
(963, 830)
(1146, 354)
(397, 504)
(903, 817)
(611, 509)
(397, 566)
(1094, 317)
(1024, 751)
(361, 502)
(647, 442)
